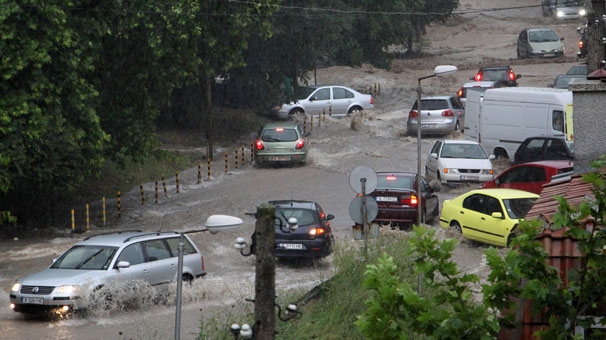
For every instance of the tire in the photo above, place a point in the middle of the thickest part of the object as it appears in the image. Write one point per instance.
(456, 227)
(354, 109)
(296, 112)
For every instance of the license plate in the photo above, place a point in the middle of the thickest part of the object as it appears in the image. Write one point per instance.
(33, 300)
(386, 199)
(469, 178)
(429, 126)
(279, 158)
(295, 246)
(548, 55)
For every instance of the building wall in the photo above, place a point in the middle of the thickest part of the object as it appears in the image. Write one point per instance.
(589, 120)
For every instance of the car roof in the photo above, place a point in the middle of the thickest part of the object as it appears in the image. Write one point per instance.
(437, 97)
(501, 67)
(399, 173)
(117, 239)
(287, 124)
(300, 204)
(483, 83)
(459, 141)
(557, 164)
(504, 193)
(539, 29)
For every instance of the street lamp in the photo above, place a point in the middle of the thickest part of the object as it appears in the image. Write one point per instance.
(440, 70)
(214, 224)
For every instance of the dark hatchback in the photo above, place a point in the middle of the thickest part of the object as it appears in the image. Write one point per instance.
(313, 237)
(397, 199)
(543, 148)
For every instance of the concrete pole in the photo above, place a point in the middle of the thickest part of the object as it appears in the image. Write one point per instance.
(265, 275)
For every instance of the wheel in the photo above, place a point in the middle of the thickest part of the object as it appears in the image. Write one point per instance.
(296, 113)
(354, 109)
(500, 154)
(456, 227)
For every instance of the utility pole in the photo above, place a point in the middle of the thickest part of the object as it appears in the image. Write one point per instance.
(265, 274)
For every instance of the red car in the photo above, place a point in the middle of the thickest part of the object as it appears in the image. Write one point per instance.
(531, 176)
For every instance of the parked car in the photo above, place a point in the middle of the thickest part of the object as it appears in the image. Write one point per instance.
(281, 143)
(311, 239)
(397, 198)
(578, 70)
(473, 86)
(539, 42)
(336, 101)
(561, 81)
(105, 260)
(531, 176)
(458, 161)
(541, 148)
(489, 216)
(441, 115)
(504, 75)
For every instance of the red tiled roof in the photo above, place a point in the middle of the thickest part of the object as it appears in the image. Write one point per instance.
(574, 191)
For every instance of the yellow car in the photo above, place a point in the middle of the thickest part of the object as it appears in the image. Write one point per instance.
(487, 215)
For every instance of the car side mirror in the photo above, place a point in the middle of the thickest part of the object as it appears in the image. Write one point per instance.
(307, 134)
(492, 157)
(122, 264)
(497, 215)
(562, 39)
(330, 217)
(518, 76)
(311, 99)
(434, 155)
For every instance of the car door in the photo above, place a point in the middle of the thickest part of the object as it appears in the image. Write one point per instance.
(138, 268)
(477, 222)
(319, 101)
(430, 200)
(431, 166)
(162, 263)
(341, 99)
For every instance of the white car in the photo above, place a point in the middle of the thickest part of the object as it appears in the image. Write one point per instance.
(91, 268)
(335, 101)
(459, 161)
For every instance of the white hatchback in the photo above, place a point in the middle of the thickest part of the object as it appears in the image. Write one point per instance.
(459, 161)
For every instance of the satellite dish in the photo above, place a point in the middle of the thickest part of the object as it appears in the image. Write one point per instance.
(360, 174)
(216, 223)
(355, 209)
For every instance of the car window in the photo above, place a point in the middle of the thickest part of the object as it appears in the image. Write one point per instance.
(85, 257)
(188, 247)
(303, 216)
(555, 149)
(156, 250)
(303, 92)
(518, 207)
(279, 135)
(395, 182)
(473, 202)
(322, 94)
(491, 205)
(558, 120)
(436, 147)
(133, 254)
(341, 93)
(434, 104)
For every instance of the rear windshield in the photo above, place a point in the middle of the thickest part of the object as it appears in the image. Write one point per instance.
(279, 135)
(395, 182)
(303, 216)
(433, 104)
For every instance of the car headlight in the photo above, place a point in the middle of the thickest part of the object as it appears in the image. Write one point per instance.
(582, 12)
(65, 289)
(16, 287)
(487, 171)
(560, 14)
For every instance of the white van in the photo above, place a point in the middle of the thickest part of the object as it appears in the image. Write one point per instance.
(500, 119)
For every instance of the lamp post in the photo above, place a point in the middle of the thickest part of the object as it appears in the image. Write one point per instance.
(214, 224)
(440, 70)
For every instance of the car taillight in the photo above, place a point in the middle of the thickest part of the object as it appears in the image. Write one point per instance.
(259, 145)
(447, 113)
(581, 43)
(317, 231)
(460, 92)
(511, 75)
(413, 114)
(203, 264)
(300, 144)
(410, 201)
(479, 76)
(372, 100)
